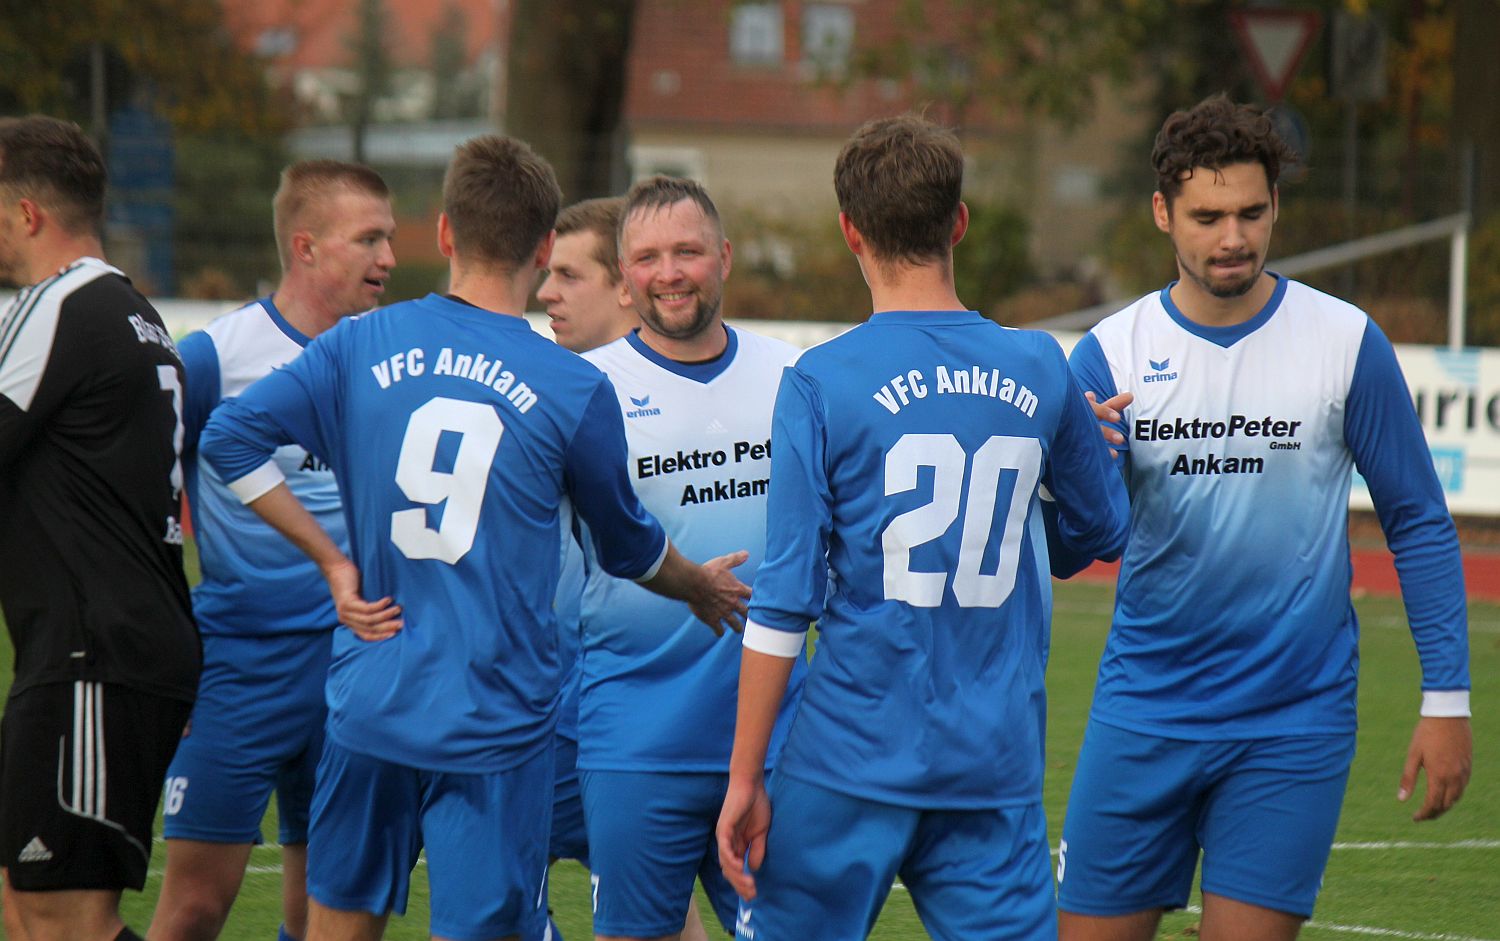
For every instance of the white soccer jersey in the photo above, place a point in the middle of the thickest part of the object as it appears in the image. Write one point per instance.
(1233, 617)
(242, 556)
(659, 690)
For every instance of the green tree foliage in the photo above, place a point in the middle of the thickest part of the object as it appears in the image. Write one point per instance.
(176, 49)
(372, 70)
(449, 98)
(1009, 57)
(992, 262)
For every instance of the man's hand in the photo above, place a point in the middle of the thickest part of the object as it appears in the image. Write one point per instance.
(743, 824)
(719, 598)
(1445, 748)
(369, 620)
(1110, 410)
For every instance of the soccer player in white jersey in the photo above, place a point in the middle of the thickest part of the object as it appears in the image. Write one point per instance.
(658, 694)
(906, 519)
(589, 306)
(1224, 715)
(455, 432)
(262, 607)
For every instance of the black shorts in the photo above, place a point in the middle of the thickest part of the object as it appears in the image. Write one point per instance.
(81, 769)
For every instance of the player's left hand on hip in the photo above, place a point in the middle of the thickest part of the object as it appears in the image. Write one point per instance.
(369, 620)
(1444, 748)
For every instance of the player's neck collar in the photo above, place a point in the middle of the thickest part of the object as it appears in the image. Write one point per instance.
(1226, 336)
(705, 371)
(282, 324)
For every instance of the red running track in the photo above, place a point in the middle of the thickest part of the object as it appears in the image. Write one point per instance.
(1375, 573)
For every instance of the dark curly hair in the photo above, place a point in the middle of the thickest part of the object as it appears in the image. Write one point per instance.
(1213, 134)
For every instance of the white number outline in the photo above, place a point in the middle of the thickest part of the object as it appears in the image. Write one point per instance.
(920, 525)
(171, 383)
(461, 490)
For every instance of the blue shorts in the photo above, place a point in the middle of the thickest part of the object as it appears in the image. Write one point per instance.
(569, 838)
(831, 858)
(650, 833)
(485, 835)
(1263, 812)
(257, 726)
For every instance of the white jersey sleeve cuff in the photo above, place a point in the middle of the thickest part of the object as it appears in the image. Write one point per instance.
(773, 643)
(258, 482)
(655, 566)
(1445, 703)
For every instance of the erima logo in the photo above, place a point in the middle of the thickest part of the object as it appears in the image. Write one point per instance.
(642, 408)
(742, 926)
(35, 852)
(1159, 372)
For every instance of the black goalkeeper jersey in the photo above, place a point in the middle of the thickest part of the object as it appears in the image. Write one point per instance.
(90, 433)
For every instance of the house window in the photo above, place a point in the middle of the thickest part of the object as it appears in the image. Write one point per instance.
(755, 34)
(651, 159)
(827, 36)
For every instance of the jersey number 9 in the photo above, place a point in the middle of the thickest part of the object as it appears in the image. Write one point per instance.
(461, 490)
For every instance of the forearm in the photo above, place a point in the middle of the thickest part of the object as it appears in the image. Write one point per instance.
(676, 578)
(286, 514)
(763, 681)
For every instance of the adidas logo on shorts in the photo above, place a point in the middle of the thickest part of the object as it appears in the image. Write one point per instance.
(35, 852)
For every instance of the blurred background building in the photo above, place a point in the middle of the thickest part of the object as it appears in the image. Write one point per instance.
(199, 104)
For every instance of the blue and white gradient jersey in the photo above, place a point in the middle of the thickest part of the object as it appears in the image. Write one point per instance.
(909, 456)
(569, 601)
(454, 433)
(1232, 618)
(254, 581)
(659, 690)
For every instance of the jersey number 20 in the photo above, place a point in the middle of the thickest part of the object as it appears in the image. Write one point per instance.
(932, 520)
(461, 490)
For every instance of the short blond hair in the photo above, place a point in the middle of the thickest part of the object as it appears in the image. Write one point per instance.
(305, 185)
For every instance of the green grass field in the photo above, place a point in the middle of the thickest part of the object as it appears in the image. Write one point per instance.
(1388, 877)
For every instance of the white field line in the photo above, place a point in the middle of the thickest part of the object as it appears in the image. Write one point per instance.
(273, 869)
(1367, 931)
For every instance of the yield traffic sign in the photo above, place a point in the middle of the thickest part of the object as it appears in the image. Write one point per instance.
(1274, 42)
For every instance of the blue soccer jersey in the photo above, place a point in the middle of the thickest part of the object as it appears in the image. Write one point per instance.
(659, 689)
(909, 456)
(1233, 617)
(254, 581)
(454, 433)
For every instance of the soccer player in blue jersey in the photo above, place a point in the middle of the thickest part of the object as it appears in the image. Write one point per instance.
(905, 519)
(658, 697)
(454, 432)
(1224, 715)
(262, 607)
